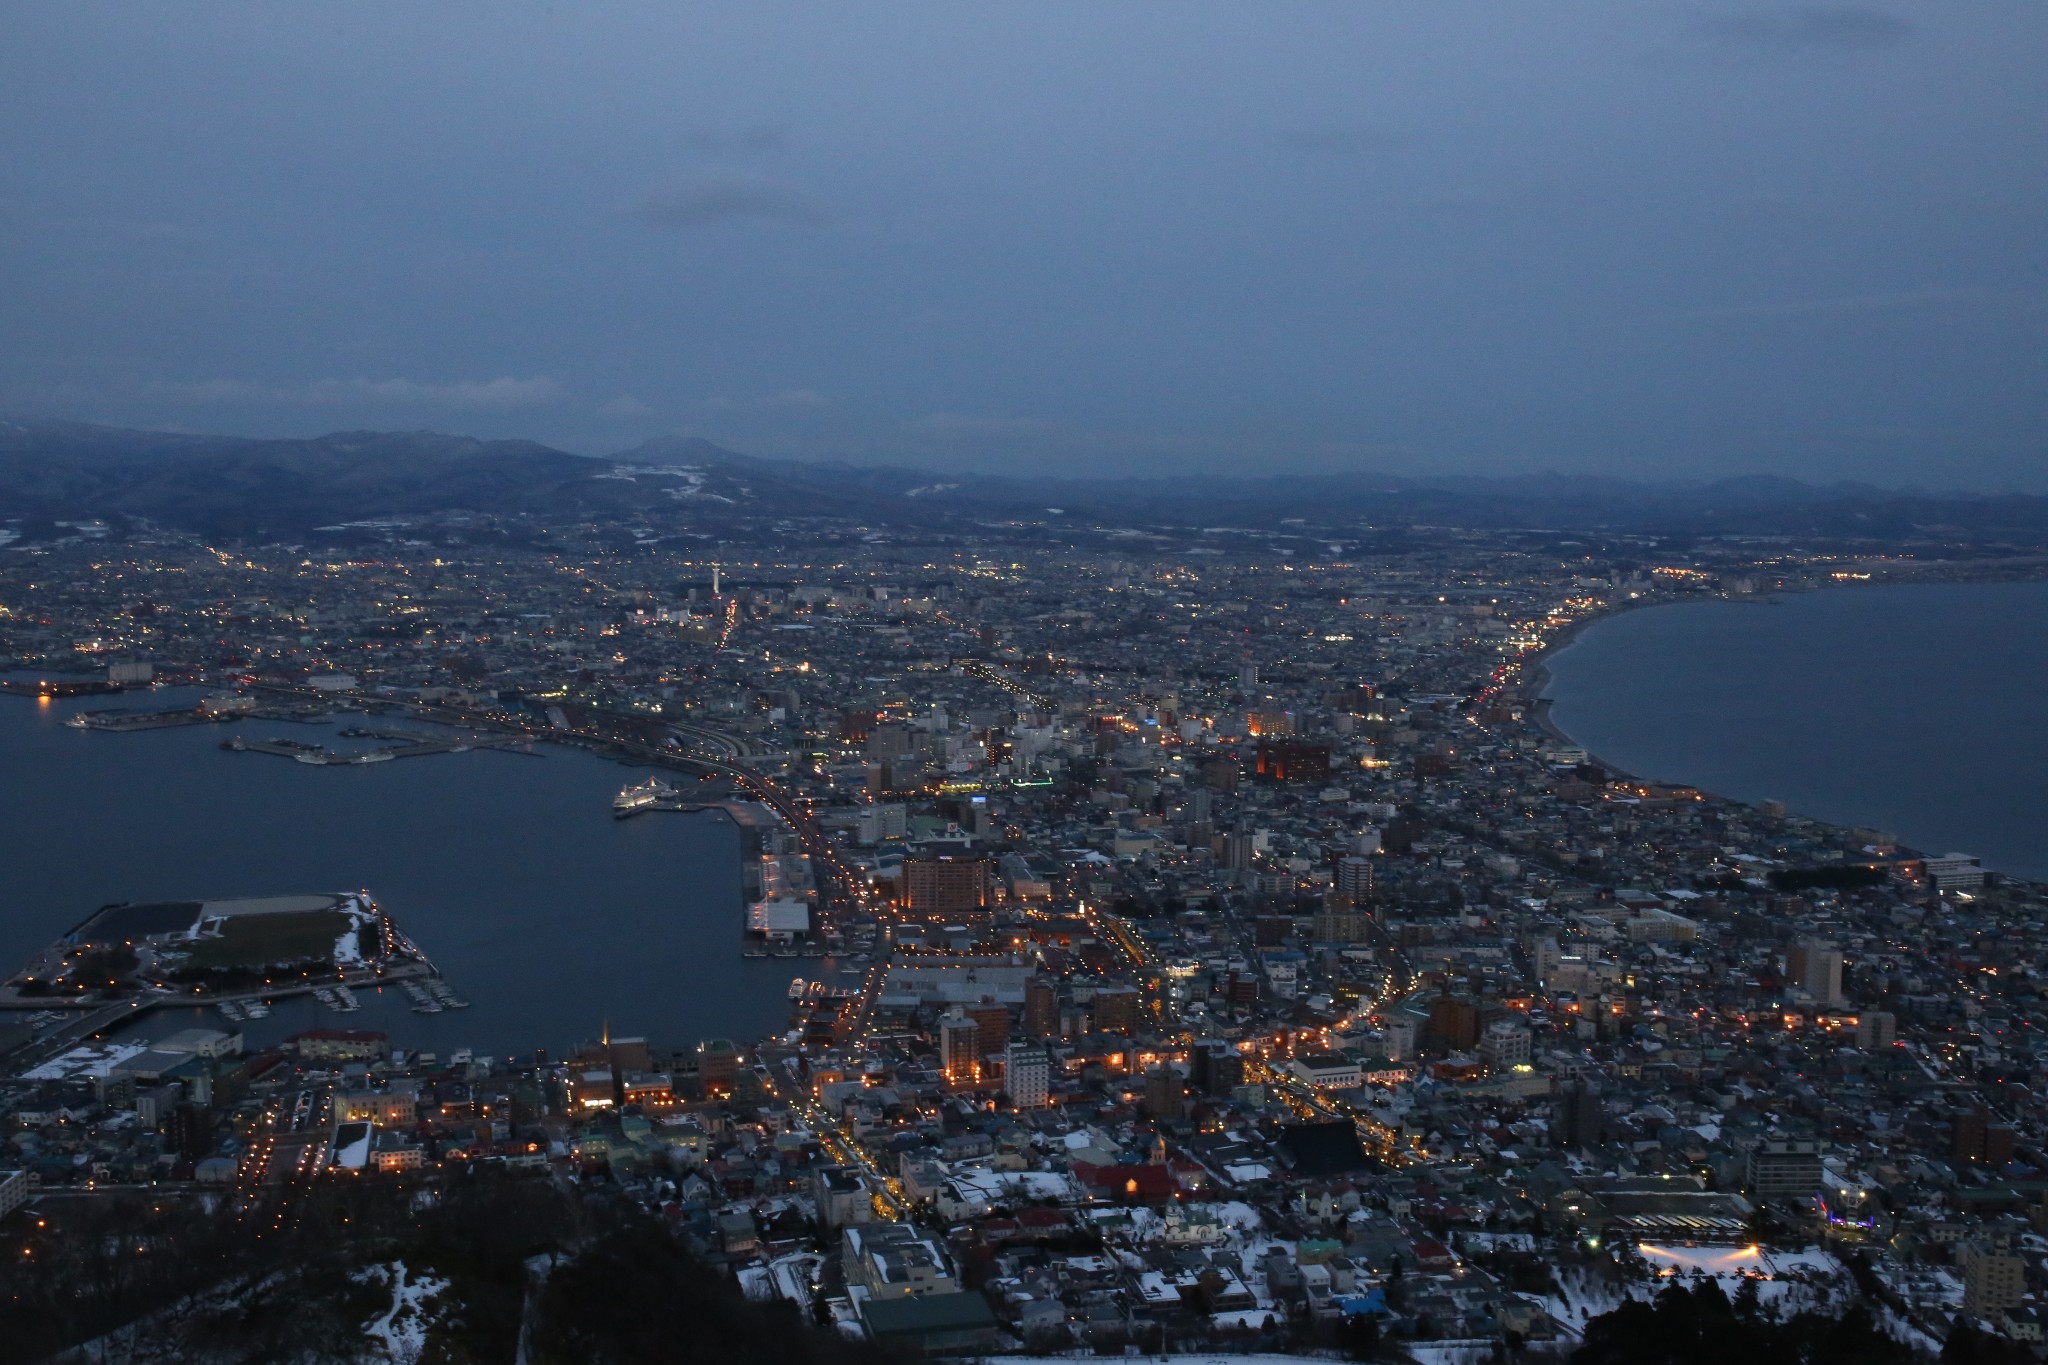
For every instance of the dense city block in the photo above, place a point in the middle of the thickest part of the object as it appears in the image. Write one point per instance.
(1203, 941)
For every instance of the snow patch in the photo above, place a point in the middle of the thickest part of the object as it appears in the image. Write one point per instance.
(402, 1331)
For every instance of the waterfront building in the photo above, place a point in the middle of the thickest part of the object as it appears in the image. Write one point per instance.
(718, 1060)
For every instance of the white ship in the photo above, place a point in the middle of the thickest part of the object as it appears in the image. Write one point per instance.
(796, 989)
(641, 796)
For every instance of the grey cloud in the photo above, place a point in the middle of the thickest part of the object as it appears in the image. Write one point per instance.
(728, 199)
(1841, 28)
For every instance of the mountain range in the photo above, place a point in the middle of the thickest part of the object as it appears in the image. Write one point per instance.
(241, 486)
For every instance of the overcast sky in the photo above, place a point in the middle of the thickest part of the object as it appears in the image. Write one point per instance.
(1662, 240)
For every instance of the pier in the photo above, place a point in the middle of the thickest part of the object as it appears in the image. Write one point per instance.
(413, 746)
(125, 720)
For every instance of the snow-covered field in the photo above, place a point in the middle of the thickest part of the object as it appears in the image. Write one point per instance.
(401, 1331)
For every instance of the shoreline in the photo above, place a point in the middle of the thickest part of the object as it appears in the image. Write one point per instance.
(708, 924)
(1537, 679)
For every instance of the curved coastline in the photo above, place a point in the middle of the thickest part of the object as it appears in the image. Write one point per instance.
(500, 861)
(1538, 680)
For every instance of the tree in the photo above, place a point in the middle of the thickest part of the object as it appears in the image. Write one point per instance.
(1968, 1346)
(1360, 1336)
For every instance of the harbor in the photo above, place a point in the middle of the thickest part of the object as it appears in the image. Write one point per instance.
(543, 911)
(640, 798)
(237, 957)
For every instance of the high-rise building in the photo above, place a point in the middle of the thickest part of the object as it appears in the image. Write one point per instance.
(1215, 1067)
(991, 1024)
(1238, 849)
(1816, 968)
(1979, 1137)
(1576, 1119)
(1454, 1022)
(188, 1131)
(882, 820)
(717, 1061)
(1027, 1075)
(1993, 1278)
(959, 1047)
(1876, 1029)
(1041, 1008)
(1341, 925)
(1117, 1010)
(1162, 1093)
(1505, 1044)
(1784, 1174)
(888, 742)
(1293, 761)
(948, 890)
(1354, 878)
(1398, 1037)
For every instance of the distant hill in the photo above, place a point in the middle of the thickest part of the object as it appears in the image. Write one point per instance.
(231, 484)
(237, 486)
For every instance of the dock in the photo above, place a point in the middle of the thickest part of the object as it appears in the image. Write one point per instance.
(127, 721)
(686, 807)
(413, 746)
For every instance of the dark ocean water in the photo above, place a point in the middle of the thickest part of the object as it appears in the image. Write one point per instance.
(1917, 710)
(549, 915)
